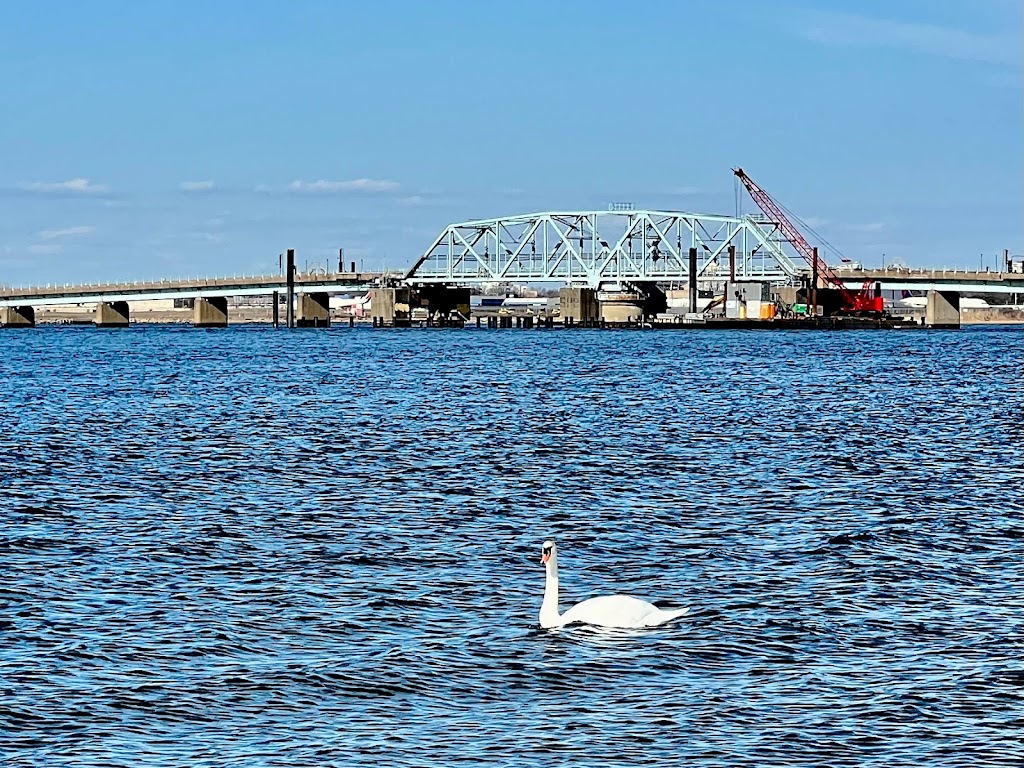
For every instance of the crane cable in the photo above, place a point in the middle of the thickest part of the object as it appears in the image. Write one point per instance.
(818, 236)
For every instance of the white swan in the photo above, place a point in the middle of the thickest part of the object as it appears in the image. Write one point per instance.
(618, 611)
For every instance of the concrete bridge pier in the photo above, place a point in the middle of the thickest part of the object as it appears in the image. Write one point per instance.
(579, 306)
(210, 312)
(17, 317)
(391, 307)
(111, 314)
(632, 303)
(622, 306)
(314, 311)
(943, 310)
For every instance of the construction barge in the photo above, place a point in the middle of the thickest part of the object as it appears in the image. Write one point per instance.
(677, 322)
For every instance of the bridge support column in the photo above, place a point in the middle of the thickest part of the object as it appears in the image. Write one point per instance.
(578, 306)
(391, 307)
(314, 311)
(622, 307)
(17, 317)
(943, 310)
(210, 312)
(112, 314)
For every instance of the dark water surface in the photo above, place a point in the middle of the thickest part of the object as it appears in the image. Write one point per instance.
(259, 548)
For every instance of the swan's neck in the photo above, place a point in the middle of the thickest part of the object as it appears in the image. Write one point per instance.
(549, 608)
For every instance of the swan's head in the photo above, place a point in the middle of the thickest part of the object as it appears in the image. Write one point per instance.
(549, 554)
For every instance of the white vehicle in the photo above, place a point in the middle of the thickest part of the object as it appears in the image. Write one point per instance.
(920, 302)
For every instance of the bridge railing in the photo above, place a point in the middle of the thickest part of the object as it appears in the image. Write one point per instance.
(171, 284)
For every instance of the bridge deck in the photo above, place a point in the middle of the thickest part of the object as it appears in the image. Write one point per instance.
(890, 275)
(959, 280)
(190, 288)
(963, 281)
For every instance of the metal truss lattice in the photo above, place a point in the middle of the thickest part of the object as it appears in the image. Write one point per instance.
(599, 247)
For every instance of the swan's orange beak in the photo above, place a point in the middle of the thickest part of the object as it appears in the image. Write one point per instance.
(545, 557)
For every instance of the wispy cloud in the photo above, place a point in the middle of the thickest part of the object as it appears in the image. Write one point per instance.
(45, 249)
(69, 187)
(840, 28)
(209, 237)
(874, 226)
(352, 185)
(55, 234)
(197, 186)
(815, 221)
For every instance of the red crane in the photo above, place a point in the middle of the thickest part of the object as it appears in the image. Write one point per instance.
(862, 303)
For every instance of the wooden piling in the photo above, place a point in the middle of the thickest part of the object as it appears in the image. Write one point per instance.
(814, 284)
(290, 291)
(692, 282)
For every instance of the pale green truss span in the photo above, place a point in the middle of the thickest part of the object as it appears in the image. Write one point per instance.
(600, 247)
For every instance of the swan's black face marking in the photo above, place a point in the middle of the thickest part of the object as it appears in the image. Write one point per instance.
(547, 551)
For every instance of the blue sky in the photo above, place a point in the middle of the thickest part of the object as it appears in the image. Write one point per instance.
(164, 139)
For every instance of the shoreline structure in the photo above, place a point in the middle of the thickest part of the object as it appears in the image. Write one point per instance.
(83, 315)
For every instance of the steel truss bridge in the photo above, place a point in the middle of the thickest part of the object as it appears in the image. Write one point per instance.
(601, 247)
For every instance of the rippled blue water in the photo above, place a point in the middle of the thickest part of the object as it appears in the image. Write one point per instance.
(259, 548)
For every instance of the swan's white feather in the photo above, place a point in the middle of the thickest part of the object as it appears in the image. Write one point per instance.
(618, 611)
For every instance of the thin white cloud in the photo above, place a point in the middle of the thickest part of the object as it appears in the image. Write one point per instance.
(815, 221)
(840, 28)
(55, 234)
(424, 199)
(197, 186)
(45, 249)
(874, 226)
(352, 185)
(69, 187)
(209, 237)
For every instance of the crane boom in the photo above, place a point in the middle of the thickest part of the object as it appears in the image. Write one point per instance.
(774, 212)
(862, 302)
